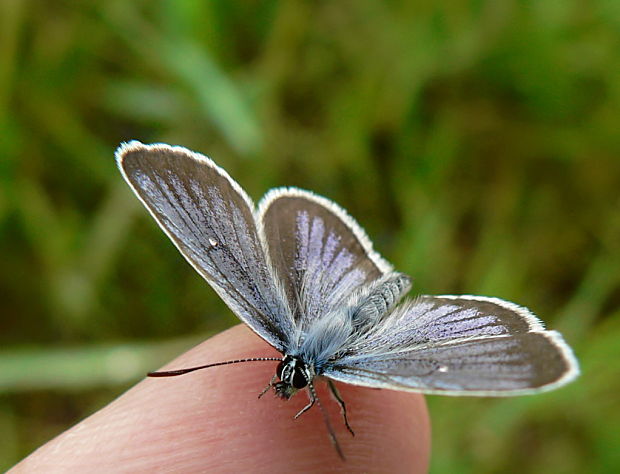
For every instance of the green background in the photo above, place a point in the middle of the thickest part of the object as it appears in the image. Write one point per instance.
(477, 142)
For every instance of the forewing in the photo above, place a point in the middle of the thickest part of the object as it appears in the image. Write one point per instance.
(211, 221)
(459, 345)
(321, 254)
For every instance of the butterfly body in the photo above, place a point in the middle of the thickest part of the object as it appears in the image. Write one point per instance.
(335, 333)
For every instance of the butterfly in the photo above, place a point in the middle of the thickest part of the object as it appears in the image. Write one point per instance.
(303, 275)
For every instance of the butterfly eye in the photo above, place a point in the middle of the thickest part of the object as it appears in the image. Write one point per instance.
(279, 369)
(299, 381)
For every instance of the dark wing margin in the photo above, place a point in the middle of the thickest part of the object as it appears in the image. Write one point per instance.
(321, 254)
(459, 345)
(210, 219)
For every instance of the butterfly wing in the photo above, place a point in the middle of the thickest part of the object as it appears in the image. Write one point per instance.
(321, 254)
(211, 221)
(458, 345)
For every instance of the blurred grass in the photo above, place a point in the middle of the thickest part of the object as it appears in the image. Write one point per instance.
(477, 142)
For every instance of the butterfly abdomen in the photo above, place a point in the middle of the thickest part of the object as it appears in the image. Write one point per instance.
(378, 299)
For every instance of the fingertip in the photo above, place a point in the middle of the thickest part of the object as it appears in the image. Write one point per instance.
(211, 420)
(392, 428)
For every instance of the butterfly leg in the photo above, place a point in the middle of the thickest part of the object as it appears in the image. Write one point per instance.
(330, 429)
(266, 389)
(312, 398)
(343, 407)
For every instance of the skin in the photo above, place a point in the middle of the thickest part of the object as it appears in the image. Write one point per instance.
(212, 421)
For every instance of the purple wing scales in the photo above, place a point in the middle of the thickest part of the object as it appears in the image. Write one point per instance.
(321, 254)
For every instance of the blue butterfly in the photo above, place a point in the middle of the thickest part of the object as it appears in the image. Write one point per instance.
(302, 274)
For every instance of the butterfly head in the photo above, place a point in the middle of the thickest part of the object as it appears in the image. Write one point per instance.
(294, 375)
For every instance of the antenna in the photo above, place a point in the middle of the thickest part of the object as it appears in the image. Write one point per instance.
(174, 373)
